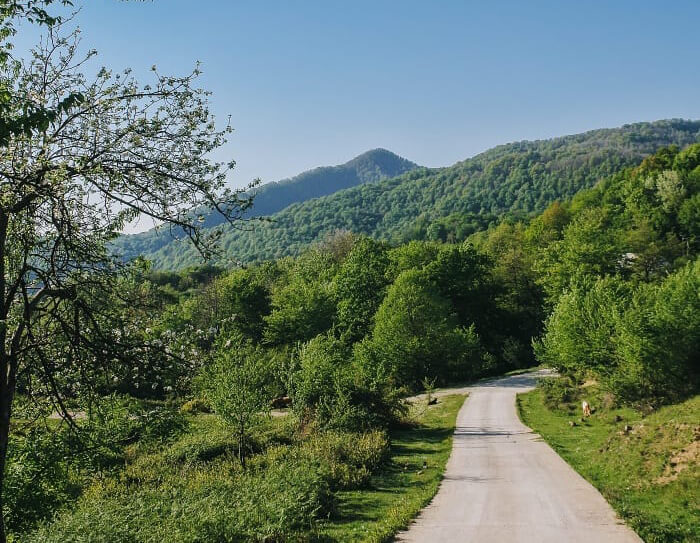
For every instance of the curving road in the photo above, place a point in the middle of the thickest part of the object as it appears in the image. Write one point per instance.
(504, 484)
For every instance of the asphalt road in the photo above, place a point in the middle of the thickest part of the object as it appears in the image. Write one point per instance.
(504, 484)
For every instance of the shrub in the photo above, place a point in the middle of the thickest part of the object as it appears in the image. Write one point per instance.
(334, 392)
(199, 448)
(558, 392)
(350, 457)
(195, 405)
(38, 479)
(159, 424)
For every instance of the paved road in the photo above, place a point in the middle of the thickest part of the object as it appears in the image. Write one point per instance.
(504, 484)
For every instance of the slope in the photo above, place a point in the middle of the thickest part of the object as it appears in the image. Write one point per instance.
(369, 167)
(517, 178)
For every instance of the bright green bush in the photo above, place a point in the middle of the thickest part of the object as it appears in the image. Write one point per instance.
(48, 465)
(195, 405)
(642, 341)
(331, 390)
(350, 457)
(559, 392)
(38, 479)
(197, 448)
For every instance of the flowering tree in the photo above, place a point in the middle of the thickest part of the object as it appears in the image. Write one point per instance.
(104, 151)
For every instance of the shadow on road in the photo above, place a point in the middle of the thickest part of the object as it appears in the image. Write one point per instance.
(472, 431)
(526, 380)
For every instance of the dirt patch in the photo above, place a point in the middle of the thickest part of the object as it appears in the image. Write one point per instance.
(686, 457)
(73, 414)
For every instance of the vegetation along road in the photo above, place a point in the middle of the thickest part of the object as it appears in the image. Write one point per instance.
(503, 483)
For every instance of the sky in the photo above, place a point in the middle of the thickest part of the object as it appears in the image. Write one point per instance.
(313, 83)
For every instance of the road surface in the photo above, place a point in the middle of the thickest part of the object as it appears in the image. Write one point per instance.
(504, 484)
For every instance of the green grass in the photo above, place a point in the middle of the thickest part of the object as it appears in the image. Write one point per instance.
(403, 487)
(649, 474)
(317, 486)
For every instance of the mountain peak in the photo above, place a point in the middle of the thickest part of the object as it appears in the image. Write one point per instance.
(369, 167)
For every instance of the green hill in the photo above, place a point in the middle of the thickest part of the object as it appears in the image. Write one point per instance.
(270, 198)
(518, 178)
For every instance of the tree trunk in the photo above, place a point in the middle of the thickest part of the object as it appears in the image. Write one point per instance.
(6, 373)
(4, 435)
(5, 412)
(241, 455)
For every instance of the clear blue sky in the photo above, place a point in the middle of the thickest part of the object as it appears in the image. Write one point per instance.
(311, 83)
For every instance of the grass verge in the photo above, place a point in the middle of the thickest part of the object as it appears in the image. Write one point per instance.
(403, 487)
(646, 467)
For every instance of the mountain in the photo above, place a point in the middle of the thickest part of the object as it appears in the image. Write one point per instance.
(369, 167)
(519, 178)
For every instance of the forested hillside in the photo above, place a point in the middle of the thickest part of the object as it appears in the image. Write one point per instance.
(270, 198)
(517, 179)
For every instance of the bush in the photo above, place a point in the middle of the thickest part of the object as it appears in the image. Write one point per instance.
(349, 457)
(323, 362)
(333, 391)
(195, 405)
(559, 392)
(641, 341)
(158, 425)
(38, 479)
(48, 465)
(199, 448)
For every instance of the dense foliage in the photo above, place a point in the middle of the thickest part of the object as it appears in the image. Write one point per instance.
(446, 204)
(622, 276)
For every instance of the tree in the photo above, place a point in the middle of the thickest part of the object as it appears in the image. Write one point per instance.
(518, 298)
(414, 254)
(111, 150)
(589, 248)
(360, 286)
(237, 389)
(302, 303)
(416, 335)
(436, 232)
(580, 332)
(461, 274)
(31, 116)
(658, 340)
